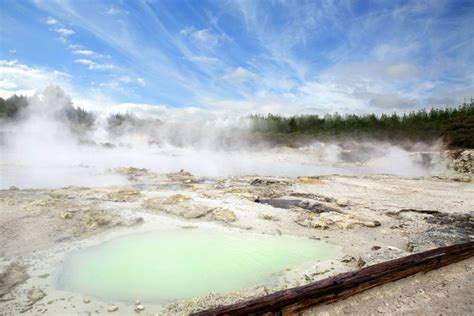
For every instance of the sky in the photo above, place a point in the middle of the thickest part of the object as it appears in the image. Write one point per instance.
(231, 58)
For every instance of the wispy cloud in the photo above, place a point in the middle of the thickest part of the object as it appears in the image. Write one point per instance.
(51, 21)
(21, 79)
(240, 74)
(113, 10)
(202, 37)
(258, 55)
(64, 32)
(204, 59)
(92, 65)
(125, 82)
(83, 52)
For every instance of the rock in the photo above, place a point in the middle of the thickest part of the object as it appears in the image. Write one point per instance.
(247, 193)
(309, 180)
(133, 173)
(13, 188)
(175, 199)
(6, 298)
(13, 275)
(176, 205)
(34, 295)
(182, 176)
(139, 308)
(224, 215)
(137, 302)
(185, 173)
(39, 205)
(124, 195)
(264, 182)
(131, 170)
(463, 162)
(112, 308)
(321, 272)
(269, 217)
(71, 193)
(94, 218)
(313, 196)
(66, 215)
(159, 202)
(331, 219)
(193, 211)
(312, 206)
(361, 262)
(27, 308)
(375, 247)
(86, 301)
(43, 276)
(347, 259)
(392, 248)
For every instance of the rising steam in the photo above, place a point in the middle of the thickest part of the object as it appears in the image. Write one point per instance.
(46, 148)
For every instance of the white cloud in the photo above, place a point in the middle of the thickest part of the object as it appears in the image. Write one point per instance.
(160, 111)
(392, 102)
(84, 61)
(51, 21)
(80, 50)
(402, 71)
(130, 80)
(121, 82)
(6, 84)
(140, 81)
(240, 74)
(115, 11)
(204, 59)
(92, 65)
(83, 52)
(201, 37)
(205, 36)
(64, 32)
(22, 79)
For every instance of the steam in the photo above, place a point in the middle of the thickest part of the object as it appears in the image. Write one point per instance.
(43, 149)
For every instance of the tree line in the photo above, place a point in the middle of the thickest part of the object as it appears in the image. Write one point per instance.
(454, 124)
(12, 107)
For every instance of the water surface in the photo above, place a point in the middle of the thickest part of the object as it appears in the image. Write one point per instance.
(178, 264)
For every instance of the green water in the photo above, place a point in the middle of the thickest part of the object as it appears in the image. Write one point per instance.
(165, 266)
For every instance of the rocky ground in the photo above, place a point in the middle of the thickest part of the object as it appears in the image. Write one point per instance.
(369, 219)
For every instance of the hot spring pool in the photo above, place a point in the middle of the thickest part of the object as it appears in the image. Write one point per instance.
(169, 265)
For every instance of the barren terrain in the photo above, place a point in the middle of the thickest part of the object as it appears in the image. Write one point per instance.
(367, 219)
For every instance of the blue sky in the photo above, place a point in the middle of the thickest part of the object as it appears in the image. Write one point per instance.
(236, 57)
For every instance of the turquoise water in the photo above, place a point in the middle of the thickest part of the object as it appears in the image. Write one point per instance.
(179, 264)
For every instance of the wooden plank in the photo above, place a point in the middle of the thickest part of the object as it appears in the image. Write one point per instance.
(294, 300)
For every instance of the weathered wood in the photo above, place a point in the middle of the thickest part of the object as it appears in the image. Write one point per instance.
(294, 300)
